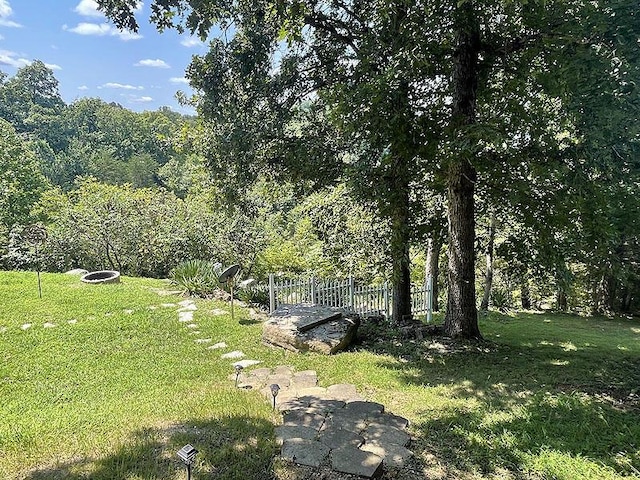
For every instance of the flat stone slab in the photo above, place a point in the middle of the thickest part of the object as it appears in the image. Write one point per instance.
(364, 408)
(337, 437)
(77, 271)
(310, 328)
(306, 316)
(348, 421)
(292, 404)
(246, 363)
(282, 381)
(327, 405)
(306, 379)
(283, 370)
(305, 452)
(261, 372)
(313, 393)
(393, 455)
(348, 459)
(288, 432)
(304, 418)
(343, 391)
(385, 435)
(234, 354)
(389, 419)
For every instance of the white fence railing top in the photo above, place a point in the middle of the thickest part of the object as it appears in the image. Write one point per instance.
(345, 293)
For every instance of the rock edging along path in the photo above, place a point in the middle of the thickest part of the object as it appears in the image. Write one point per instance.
(330, 426)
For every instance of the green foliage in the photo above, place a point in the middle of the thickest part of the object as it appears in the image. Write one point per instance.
(197, 277)
(21, 182)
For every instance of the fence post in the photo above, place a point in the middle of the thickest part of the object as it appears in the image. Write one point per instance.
(313, 290)
(386, 300)
(272, 293)
(352, 294)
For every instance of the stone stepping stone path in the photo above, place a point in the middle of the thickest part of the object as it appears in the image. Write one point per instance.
(332, 426)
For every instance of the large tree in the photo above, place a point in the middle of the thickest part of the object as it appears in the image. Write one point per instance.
(461, 88)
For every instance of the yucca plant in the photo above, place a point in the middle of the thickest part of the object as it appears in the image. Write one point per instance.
(197, 277)
(256, 294)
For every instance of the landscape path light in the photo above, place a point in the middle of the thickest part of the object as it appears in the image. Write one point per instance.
(275, 388)
(238, 368)
(36, 235)
(187, 454)
(228, 277)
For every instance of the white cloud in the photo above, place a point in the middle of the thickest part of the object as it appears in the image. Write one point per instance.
(11, 59)
(1, 37)
(5, 12)
(142, 99)
(157, 63)
(83, 87)
(53, 66)
(89, 8)
(191, 42)
(5, 9)
(101, 30)
(120, 85)
(179, 80)
(9, 23)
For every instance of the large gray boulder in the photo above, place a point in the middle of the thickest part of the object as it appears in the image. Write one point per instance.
(305, 327)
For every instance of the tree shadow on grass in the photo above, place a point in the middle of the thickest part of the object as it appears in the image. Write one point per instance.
(567, 435)
(232, 448)
(572, 411)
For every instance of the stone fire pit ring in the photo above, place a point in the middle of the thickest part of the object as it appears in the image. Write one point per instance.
(101, 276)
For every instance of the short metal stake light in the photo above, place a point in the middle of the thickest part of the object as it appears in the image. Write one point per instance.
(238, 371)
(275, 388)
(36, 235)
(187, 454)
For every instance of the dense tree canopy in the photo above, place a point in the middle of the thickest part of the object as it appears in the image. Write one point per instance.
(474, 93)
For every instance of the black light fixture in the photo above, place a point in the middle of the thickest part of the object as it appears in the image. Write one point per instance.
(228, 277)
(238, 368)
(187, 454)
(275, 388)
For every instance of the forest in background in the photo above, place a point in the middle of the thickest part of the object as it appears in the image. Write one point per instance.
(134, 192)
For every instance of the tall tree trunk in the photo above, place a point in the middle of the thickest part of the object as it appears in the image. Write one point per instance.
(525, 291)
(432, 266)
(488, 277)
(400, 239)
(461, 319)
(561, 299)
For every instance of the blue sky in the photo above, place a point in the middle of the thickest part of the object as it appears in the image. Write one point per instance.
(91, 58)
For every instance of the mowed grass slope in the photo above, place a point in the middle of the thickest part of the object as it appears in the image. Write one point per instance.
(118, 385)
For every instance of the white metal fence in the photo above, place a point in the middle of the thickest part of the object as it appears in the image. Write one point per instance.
(347, 293)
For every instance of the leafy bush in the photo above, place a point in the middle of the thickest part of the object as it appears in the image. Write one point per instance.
(197, 277)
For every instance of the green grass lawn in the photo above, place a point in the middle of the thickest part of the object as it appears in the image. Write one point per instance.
(118, 385)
